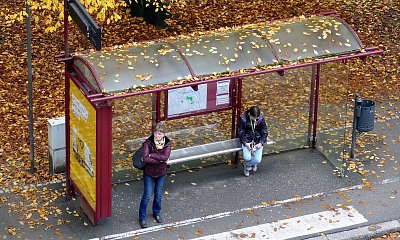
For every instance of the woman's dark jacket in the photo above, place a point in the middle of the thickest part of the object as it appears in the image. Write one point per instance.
(156, 159)
(246, 133)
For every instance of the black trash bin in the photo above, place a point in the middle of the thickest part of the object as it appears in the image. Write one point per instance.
(365, 122)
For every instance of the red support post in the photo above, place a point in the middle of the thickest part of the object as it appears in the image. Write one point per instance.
(70, 189)
(233, 86)
(165, 117)
(158, 107)
(153, 110)
(103, 162)
(239, 103)
(238, 112)
(316, 101)
(311, 109)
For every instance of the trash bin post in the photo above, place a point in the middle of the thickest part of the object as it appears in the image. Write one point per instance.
(357, 114)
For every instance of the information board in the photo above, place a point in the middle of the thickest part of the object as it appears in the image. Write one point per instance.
(186, 100)
(182, 100)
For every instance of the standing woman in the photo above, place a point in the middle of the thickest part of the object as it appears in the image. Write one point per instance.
(253, 134)
(156, 151)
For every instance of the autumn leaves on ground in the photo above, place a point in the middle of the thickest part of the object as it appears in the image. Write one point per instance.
(377, 23)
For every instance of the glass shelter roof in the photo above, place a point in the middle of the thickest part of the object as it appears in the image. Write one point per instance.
(232, 51)
(311, 38)
(226, 52)
(123, 68)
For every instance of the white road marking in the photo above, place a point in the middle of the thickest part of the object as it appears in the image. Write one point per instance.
(215, 216)
(295, 227)
(390, 180)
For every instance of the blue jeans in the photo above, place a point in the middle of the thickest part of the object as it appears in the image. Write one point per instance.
(252, 160)
(151, 184)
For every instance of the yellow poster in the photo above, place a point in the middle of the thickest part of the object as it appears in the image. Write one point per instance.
(83, 144)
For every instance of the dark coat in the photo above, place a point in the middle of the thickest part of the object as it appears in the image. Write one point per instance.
(156, 159)
(246, 133)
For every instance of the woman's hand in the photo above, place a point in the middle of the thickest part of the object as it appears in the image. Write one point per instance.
(258, 145)
(248, 146)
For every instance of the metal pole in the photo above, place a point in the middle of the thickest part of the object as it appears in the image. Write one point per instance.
(66, 30)
(30, 89)
(357, 113)
(70, 188)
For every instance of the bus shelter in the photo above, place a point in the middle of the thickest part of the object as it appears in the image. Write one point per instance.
(296, 70)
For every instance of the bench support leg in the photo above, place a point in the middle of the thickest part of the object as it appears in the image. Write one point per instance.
(236, 160)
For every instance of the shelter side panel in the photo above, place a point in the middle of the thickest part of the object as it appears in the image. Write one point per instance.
(83, 144)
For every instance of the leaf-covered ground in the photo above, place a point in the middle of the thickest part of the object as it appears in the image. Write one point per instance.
(377, 23)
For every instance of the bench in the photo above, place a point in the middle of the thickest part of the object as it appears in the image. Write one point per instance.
(207, 150)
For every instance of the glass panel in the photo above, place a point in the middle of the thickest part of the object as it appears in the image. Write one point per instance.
(198, 130)
(334, 115)
(121, 70)
(131, 126)
(224, 52)
(87, 74)
(311, 38)
(284, 100)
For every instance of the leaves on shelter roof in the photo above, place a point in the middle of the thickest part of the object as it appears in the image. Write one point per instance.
(324, 33)
(223, 52)
(144, 77)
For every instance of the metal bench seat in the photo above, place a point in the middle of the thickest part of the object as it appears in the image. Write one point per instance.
(207, 150)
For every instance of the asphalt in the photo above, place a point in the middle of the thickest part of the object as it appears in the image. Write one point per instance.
(218, 198)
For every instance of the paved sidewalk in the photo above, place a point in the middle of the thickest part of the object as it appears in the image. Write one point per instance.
(218, 199)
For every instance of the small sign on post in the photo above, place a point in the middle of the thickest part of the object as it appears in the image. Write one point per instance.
(85, 22)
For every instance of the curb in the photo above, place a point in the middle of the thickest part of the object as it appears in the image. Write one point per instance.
(367, 232)
(39, 185)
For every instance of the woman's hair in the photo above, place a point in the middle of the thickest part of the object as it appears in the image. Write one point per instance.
(254, 111)
(160, 127)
